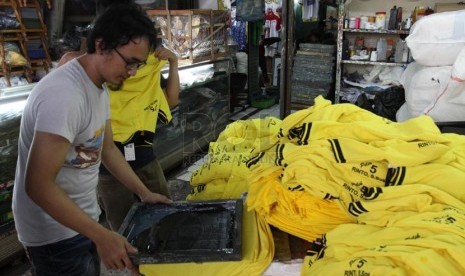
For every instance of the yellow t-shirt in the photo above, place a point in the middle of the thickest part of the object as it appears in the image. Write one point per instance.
(139, 103)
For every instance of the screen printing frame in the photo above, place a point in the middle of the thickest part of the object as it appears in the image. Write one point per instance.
(143, 217)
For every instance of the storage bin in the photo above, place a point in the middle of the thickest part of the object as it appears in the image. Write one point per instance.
(36, 54)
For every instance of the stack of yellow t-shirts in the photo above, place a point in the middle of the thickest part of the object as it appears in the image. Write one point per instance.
(334, 165)
(408, 230)
(346, 168)
(224, 174)
(257, 254)
(342, 152)
(380, 172)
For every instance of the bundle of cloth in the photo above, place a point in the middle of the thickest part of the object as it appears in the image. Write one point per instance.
(372, 196)
(435, 82)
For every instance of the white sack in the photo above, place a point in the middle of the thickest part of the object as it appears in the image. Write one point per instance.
(436, 39)
(458, 69)
(242, 62)
(403, 114)
(432, 91)
(422, 85)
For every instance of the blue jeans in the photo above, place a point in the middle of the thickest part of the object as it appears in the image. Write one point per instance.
(74, 256)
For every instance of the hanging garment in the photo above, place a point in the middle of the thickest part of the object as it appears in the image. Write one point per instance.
(310, 9)
(272, 29)
(272, 23)
(238, 34)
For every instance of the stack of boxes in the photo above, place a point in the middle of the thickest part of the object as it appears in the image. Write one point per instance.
(313, 72)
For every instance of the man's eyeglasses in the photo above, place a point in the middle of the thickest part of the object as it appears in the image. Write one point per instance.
(133, 64)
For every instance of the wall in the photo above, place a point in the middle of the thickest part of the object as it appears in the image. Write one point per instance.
(369, 7)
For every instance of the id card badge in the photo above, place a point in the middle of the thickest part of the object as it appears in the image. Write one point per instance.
(129, 152)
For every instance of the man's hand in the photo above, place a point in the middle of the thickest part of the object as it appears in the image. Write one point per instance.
(164, 54)
(114, 251)
(154, 198)
(172, 87)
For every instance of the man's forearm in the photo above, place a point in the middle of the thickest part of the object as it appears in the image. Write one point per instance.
(115, 163)
(172, 86)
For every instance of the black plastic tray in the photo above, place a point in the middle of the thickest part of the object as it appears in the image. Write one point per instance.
(185, 231)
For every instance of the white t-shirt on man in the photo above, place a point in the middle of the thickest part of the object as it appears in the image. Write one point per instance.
(66, 103)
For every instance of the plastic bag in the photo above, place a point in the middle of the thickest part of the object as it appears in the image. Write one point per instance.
(8, 46)
(8, 20)
(15, 59)
(13, 56)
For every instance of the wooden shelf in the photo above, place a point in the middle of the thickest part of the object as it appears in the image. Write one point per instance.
(366, 31)
(367, 62)
(21, 36)
(10, 31)
(34, 30)
(345, 33)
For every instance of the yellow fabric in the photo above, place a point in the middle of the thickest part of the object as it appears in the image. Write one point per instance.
(257, 254)
(223, 176)
(316, 168)
(326, 121)
(233, 187)
(387, 198)
(456, 156)
(15, 59)
(252, 136)
(297, 126)
(139, 103)
(230, 157)
(221, 165)
(412, 231)
(369, 130)
(400, 202)
(295, 212)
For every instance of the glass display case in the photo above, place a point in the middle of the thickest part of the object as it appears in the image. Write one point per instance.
(202, 113)
(12, 101)
(200, 116)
